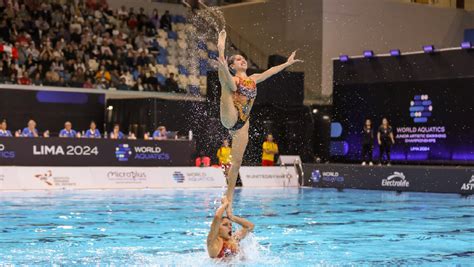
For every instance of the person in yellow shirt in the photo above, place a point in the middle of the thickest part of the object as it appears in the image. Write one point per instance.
(223, 154)
(270, 148)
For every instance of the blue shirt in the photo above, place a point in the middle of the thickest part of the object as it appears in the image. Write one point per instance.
(6, 133)
(90, 134)
(120, 135)
(65, 133)
(27, 133)
(157, 133)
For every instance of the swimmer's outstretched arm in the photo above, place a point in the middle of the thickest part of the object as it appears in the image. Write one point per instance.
(212, 241)
(224, 74)
(260, 77)
(247, 226)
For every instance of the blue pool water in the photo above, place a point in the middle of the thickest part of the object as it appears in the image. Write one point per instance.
(294, 227)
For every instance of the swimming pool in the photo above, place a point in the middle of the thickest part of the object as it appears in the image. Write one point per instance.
(294, 227)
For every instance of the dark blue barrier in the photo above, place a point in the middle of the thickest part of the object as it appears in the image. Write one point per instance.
(95, 152)
(434, 179)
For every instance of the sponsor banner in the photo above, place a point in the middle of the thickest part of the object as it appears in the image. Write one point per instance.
(37, 178)
(51, 178)
(469, 186)
(268, 177)
(398, 178)
(95, 152)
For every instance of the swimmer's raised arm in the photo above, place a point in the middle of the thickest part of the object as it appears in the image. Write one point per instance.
(212, 240)
(260, 77)
(247, 226)
(225, 77)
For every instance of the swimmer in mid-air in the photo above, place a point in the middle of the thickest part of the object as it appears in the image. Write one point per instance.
(221, 241)
(237, 96)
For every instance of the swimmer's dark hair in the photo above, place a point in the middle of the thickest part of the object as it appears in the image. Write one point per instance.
(230, 61)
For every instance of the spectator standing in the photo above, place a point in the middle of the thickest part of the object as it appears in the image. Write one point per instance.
(224, 156)
(385, 139)
(154, 19)
(270, 148)
(165, 21)
(367, 142)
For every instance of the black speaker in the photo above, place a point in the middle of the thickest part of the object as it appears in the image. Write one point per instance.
(275, 60)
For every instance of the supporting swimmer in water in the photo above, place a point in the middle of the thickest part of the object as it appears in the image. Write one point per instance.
(221, 241)
(237, 96)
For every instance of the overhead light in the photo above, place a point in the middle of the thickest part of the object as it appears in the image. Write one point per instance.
(429, 49)
(466, 45)
(368, 53)
(315, 110)
(344, 58)
(325, 117)
(110, 108)
(395, 52)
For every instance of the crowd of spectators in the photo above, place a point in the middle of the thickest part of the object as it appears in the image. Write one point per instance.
(81, 43)
(68, 131)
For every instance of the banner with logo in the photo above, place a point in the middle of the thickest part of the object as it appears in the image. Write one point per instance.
(95, 152)
(396, 178)
(269, 176)
(53, 178)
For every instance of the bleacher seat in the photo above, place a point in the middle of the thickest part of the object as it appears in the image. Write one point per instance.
(183, 45)
(162, 34)
(183, 81)
(161, 79)
(182, 35)
(213, 54)
(172, 69)
(163, 42)
(211, 46)
(203, 54)
(172, 35)
(194, 90)
(202, 45)
(183, 70)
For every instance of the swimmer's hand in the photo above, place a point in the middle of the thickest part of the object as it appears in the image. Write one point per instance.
(225, 202)
(291, 59)
(221, 41)
(222, 63)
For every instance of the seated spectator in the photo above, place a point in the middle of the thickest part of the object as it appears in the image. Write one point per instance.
(3, 129)
(160, 133)
(103, 77)
(68, 132)
(122, 85)
(24, 79)
(116, 133)
(151, 83)
(31, 130)
(88, 83)
(203, 161)
(171, 85)
(93, 132)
